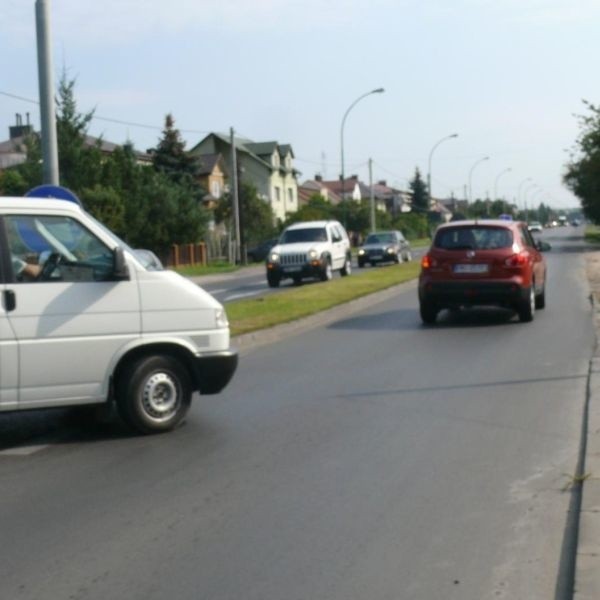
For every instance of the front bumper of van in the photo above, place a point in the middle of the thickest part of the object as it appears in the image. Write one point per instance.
(212, 372)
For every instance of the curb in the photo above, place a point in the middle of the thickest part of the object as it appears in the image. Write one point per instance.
(587, 563)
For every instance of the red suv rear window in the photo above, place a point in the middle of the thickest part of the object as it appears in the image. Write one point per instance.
(475, 237)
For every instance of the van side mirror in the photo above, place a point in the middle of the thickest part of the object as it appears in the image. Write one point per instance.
(120, 268)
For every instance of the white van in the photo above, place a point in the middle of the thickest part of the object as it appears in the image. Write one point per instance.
(86, 320)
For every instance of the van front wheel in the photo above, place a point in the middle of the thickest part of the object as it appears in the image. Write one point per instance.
(153, 394)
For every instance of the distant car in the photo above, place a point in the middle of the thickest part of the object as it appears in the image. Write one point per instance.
(535, 226)
(575, 223)
(384, 246)
(260, 252)
(473, 263)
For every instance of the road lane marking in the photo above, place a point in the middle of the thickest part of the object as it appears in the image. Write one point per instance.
(237, 296)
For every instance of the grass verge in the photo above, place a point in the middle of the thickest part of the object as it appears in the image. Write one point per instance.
(592, 234)
(266, 311)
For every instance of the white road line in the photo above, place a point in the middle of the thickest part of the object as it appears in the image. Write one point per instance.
(236, 296)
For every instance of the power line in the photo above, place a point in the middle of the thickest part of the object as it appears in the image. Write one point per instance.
(107, 119)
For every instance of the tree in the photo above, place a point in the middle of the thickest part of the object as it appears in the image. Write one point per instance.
(316, 209)
(256, 215)
(79, 161)
(420, 194)
(170, 157)
(582, 174)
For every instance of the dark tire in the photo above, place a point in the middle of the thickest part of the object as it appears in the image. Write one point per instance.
(527, 308)
(273, 280)
(297, 279)
(347, 268)
(327, 272)
(540, 299)
(407, 256)
(361, 264)
(429, 312)
(153, 393)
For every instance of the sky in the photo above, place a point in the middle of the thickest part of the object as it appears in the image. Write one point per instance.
(508, 76)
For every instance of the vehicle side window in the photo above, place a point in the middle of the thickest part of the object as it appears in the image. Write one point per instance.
(336, 234)
(52, 248)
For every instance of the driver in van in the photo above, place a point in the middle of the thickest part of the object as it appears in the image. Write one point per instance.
(24, 271)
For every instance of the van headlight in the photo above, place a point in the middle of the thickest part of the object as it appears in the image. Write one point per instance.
(274, 257)
(312, 254)
(221, 318)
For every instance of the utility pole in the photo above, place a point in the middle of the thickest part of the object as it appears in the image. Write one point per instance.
(236, 202)
(373, 228)
(47, 112)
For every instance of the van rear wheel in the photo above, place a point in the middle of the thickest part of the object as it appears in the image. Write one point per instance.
(153, 393)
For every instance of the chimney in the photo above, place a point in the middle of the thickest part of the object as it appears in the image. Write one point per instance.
(19, 130)
(318, 177)
(382, 182)
(354, 177)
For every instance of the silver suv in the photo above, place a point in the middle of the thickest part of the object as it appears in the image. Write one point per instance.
(309, 249)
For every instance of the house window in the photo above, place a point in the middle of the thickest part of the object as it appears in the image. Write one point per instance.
(276, 160)
(288, 162)
(290, 195)
(216, 189)
(277, 193)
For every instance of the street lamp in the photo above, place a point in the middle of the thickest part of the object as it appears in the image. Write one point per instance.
(519, 190)
(448, 137)
(496, 182)
(377, 91)
(471, 175)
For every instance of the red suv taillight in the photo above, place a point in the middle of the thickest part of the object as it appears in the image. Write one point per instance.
(427, 262)
(517, 261)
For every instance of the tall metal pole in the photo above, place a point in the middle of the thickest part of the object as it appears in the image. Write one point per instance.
(373, 227)
(236, 202)
(519, 191)
(471, 175)
(377, 91)
(46, 85)
(496, 182)
(429, 194)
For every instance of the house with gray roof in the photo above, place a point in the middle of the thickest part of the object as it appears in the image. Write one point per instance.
(268, 166)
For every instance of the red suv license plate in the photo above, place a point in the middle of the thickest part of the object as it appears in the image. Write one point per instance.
(471, 268)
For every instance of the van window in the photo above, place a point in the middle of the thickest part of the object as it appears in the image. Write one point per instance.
(50, 248)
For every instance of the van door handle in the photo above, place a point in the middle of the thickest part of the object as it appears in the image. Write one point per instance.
(10, 300)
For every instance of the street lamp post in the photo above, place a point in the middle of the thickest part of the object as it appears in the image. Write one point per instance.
(448, 137)
(471, 175)
(496, 182)
(377, 91)
(519, 190)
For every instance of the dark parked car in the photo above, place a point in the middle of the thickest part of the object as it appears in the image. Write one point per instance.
(472, 263)
(260, 252)
(384, 246)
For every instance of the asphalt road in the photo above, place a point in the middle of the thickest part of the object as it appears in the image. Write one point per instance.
(373, 458)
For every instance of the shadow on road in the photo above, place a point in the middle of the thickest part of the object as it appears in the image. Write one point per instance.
(407, 319)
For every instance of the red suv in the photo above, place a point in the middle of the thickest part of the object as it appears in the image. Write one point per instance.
(491, 262)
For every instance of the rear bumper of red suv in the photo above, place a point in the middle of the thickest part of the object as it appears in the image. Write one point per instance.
(471, 293)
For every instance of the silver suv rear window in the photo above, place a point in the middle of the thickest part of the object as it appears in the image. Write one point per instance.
(476, 237)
